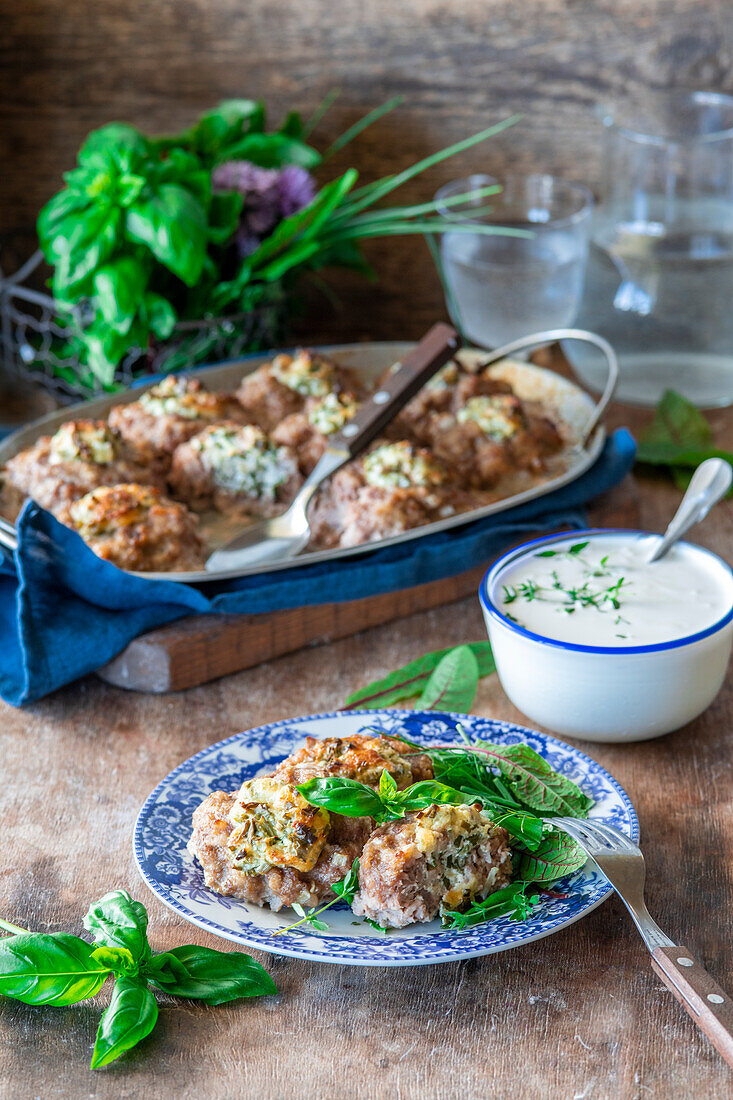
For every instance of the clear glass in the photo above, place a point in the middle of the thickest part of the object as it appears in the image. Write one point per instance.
(659, 284)
(501, 287)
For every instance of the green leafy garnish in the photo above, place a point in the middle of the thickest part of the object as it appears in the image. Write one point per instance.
(58, 969)
(679, 438)
(411, 680)
(344, 891)
(511, 901)
(350, 798)
(555, 857)
(453, 684)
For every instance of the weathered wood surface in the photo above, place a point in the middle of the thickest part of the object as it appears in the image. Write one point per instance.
(66, 67)
(580, 1014)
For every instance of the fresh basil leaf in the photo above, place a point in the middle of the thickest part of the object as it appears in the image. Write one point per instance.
(173, 225)
(160, 314)
(511, 901)
(117, 959)
(409, 681)
(131, 1015)
(119, 287)
(428, 793)
(114, 147)
(677, 421)
(347, 797)
(555, 857)
(272, 151)
(49, 969)
(387, 786)
(453, 684)
(211, 976)
(117, 920)
(57, 220)
(535, 782)
(105, 347)
(81, 244)
(224, 214)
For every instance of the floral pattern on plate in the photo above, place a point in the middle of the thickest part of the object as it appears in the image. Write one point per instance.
(164, 826)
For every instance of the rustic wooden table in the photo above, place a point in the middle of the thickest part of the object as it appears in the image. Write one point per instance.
(579, 1015)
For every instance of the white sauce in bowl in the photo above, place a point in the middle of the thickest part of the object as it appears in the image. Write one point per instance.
(600, 590)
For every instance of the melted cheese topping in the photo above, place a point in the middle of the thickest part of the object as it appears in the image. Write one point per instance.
(466, 828)
(180, 397)
(111, 507)
(83, 441)
(498, 416)
(402, 466)
(332, 411)
(243, 460)
(305, 373)
(273, 825)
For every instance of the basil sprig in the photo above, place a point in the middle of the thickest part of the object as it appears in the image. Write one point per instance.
(350, 798)
(58, 969)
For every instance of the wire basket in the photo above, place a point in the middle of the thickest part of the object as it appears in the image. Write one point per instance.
(32, 334)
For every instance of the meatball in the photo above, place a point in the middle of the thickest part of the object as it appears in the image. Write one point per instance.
(445, 392)
(236, 470)
(58, 469)
(216, 842)
(431, 861)
(361, 756)
(307, 432)
(168, 415)
(393, 488)
(284, 386)
(135, 527)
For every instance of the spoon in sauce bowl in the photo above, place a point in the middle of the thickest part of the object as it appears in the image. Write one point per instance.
(711, 481)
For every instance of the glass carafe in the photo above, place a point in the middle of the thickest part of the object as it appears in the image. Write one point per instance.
(659, 281)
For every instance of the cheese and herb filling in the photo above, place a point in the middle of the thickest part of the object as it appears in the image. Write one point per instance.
(83, 441)
(499, 416)
(111, 507)
(331, 412)
(180, 397)
(402, 466)
(467, 829)
(274, 826)
(307, 374)
(244, 460)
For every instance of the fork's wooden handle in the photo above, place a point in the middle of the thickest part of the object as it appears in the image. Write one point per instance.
(408, 376)
(703, 999)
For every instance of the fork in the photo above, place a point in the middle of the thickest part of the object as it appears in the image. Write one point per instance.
(622, 862)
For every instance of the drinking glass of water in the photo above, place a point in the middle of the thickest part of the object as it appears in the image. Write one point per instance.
(659, 284)
(527, 277)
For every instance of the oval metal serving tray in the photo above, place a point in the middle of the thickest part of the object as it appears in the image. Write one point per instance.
(563, 398)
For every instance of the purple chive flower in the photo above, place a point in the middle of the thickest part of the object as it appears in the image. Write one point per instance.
(269, 196)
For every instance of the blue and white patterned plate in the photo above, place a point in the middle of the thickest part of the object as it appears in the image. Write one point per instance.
(164, 826)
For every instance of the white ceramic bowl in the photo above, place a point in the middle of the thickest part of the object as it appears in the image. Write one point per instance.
(607, 694)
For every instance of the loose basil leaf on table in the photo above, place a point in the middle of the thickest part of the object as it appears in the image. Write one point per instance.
(678, 437)
(49, 968)
(206, 975)
(130, 1016)
(116, 920)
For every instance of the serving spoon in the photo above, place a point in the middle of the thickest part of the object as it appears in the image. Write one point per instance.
(285, 536)
(711, 481)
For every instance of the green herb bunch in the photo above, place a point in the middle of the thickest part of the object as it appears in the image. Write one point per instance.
(679, 438)
(57, 969)
(139, 239)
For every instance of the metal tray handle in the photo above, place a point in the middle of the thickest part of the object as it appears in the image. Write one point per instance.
(555, 335)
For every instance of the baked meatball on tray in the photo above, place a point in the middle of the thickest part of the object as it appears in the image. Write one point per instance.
(229, 842)
(234, 442)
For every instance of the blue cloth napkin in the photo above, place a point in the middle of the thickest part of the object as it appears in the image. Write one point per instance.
(64, 612)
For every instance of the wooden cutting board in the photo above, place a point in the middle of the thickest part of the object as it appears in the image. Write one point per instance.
(200, 648)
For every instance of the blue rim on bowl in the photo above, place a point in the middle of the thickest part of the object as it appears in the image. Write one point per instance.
(517, 552)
